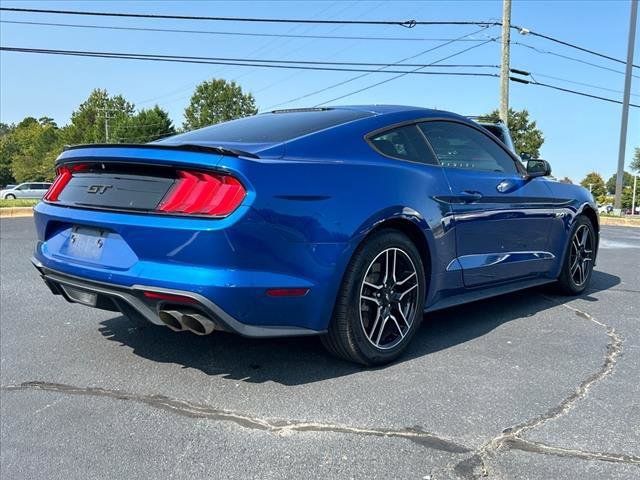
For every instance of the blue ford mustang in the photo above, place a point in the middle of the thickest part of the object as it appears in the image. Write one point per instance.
(345, 222)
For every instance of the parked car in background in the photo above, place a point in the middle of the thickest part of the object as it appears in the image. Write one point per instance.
(605, 209)
(25, 190)
(343, 222)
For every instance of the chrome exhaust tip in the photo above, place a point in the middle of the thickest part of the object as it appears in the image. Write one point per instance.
(197, 323)
(172, 319)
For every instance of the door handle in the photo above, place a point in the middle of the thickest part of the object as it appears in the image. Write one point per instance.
(469, 196)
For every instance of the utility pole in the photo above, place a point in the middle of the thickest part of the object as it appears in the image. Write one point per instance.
(106, 114)
(625, 103)
(504, 69)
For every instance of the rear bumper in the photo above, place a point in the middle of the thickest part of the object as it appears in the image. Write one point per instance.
(122, 298)
(231, 263)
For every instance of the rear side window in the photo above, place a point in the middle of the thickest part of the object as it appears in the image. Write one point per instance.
(270, 127)
(460, 146)
(406, 143)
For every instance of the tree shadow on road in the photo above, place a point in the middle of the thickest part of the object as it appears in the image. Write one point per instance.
(296, 361)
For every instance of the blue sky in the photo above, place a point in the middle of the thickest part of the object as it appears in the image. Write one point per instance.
(581, 134)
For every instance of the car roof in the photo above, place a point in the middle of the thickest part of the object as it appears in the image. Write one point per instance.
(369, 118)
(376, 109)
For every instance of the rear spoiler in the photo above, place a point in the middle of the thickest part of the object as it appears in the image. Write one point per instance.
(186, 147)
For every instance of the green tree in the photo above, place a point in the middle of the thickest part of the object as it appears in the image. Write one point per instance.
(527, 137)
(595, 183)
(7, 150)
(217, 101)
(30, 149)
(145, 126)
(627, 195)
(5, 128)
(88, 121)
(627, 181)
(635, 163)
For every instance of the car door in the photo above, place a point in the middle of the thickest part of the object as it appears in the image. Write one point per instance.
(22, 191)
(502, 219)
(31, 191)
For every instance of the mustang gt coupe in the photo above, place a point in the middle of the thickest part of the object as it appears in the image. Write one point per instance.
(346, 222)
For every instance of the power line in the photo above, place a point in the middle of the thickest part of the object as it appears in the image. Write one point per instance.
(278, 61)
(570, 45)
(357, 77)
(584, 84)
(568, 57)
(206, 61)
(417, 70)
(403, 23)
(241, 34)
(568, 90)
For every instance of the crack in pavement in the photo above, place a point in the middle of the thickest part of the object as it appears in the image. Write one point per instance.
(283, 427)
(510, 438)
(516, 443)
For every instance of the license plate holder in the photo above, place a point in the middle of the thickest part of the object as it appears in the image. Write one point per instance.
(87, 243)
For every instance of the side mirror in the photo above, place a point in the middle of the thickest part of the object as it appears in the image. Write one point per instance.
(538, 168)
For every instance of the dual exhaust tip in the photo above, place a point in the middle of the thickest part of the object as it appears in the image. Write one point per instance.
(187, 320)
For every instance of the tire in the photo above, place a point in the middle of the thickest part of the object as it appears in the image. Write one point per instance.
(578, 259)
(353, 333)
(10, 196)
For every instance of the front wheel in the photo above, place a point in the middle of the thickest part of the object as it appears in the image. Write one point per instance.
(578, 263)
(380, 303)
(9, 196)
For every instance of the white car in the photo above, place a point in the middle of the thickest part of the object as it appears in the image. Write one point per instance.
(605, 209)
(26, 190)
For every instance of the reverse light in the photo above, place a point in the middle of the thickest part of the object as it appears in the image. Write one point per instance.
(202, 193)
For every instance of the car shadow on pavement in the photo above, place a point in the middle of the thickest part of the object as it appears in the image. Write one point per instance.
(296, 361)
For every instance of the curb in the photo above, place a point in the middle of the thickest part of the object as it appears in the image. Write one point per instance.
(619, 222)
(10, 212)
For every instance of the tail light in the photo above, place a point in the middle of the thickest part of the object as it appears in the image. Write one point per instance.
(63, 176)
(204, 194)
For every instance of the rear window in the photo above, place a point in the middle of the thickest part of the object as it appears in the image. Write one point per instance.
(270, 127)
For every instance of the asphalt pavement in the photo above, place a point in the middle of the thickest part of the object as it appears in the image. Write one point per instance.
(528, 385)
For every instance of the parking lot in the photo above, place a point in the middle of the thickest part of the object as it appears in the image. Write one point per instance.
(528, 385)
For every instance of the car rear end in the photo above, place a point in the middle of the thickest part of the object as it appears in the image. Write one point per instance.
(168, 233)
